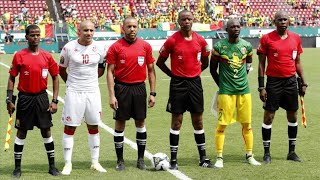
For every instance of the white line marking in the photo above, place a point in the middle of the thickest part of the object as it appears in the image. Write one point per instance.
(132, 144)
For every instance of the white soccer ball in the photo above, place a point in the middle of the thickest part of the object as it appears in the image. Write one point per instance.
(160, 161)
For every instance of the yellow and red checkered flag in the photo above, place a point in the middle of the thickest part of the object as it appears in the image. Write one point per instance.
(303, 113)
(8, 133)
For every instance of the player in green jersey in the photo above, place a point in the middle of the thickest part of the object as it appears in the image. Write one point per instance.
(233, 56)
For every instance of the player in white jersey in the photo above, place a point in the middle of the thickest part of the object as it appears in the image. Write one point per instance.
(85, 62)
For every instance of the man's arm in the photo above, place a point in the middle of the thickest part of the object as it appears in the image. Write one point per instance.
(204, 62)
(152, 82)
(53, 107)
(299, 71)
(261, 71)
(101, 71)
(55, 81)
(161, 64)
(10, 105)
(63, 73)
(214, 64)
(101, 68)
(248, 63)
(110, 81)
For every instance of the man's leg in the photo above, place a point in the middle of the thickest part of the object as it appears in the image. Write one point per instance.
(199, 136)
(176, 124)
(292, 135)
(118, 139)
(49, 145)
(67, 144)
(141, 139)
(219, 136)
(266, 134)
(18, 148)
(248, 139)
(94, 144)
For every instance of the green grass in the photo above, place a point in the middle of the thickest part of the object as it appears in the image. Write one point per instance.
(34, 160)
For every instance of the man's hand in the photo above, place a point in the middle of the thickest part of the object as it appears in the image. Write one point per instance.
(53, 107)
(263, 95)
(113, 102)
(303, 89)
(151, 101)
(11, 107)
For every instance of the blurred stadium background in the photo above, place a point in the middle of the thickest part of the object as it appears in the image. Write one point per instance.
(59, 19)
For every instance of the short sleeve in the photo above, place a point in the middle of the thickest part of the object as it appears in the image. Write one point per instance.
(111, 55)
(205, 48)
(15, 66)
(64, 57)
(53, 66)
(167, 48)
(149, 56)
(216, 49)
(300, 50)
(262, 48)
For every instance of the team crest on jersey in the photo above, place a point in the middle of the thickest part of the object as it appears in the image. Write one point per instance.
(243, 50)
(94, 49)
(140, 60)
(76, 50)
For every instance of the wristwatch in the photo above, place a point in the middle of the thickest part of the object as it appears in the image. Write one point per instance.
(56, 101)
(153, 94)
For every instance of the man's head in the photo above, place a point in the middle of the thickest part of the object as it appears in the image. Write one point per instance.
(185, 20)
(233, 28)
(281, 21)
(85, 32)
(130, 28)
(33, 35)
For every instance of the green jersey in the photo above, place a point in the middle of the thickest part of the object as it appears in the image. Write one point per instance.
(232, 66)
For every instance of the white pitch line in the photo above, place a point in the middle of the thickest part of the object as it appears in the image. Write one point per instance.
(133, 145)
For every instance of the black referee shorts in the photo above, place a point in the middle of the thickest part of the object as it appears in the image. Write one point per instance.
(32, 110)
(131, 101)
(186, 94)
(282, 92)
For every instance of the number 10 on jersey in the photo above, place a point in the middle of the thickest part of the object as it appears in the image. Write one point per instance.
(85, 58)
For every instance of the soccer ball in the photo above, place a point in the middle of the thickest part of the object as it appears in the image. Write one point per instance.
(160, 161)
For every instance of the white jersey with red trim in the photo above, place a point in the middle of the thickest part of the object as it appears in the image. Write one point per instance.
(82, 63)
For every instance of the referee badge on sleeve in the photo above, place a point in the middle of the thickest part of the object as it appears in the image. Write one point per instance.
(140, 60)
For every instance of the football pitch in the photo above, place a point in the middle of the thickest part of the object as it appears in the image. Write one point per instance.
(34, 158)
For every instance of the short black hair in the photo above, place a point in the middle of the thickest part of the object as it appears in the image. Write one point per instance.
(32, 26)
